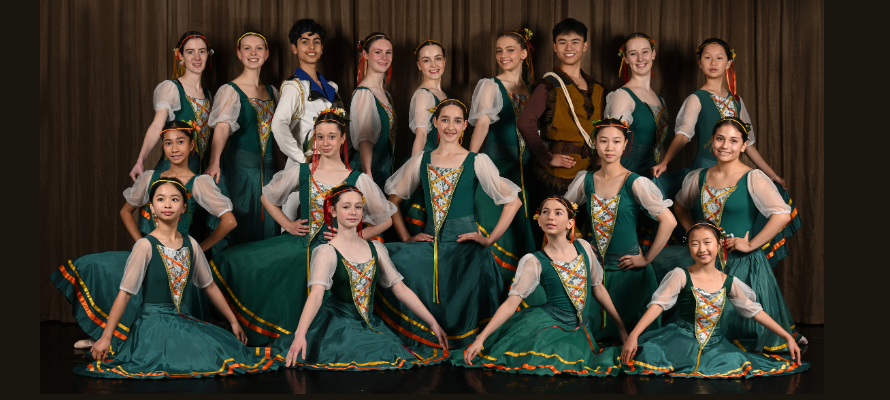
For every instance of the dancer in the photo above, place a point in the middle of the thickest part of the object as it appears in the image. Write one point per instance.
(449, 266)
(552, 338)
(616, 198)
(90, 282)
(343, 333)
(373, 119)
(262, 279)
(163, 342)
(241, 153)
(697, 344)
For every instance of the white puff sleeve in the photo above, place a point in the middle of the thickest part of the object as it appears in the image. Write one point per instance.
(364, 124)
(226, 108)
(648, 195)
(377, 207)
(669, 289)
(388, 274)
(687, 117)
(765, 195)
(743, 115)
(487, 101)
(500, 189)
(208, 196)
(527, 277)
(743, 298)
(137, 195)
(201, 276)
(596, 270)
(403, 182)
(688, 194)
(136, 265)
(419, 115)
(619, 104)
(322, 267)
(283, 183)
(575, 193)
(166, 97)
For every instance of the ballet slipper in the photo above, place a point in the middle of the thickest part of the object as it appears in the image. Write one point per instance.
(84, 344)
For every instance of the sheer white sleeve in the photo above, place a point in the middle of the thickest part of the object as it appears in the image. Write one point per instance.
(364, 124)
(388, 273)
(765, 195)
(687, 117)
(166, 97)
(688, 194)
(226, 108)
(377, 208)
(324, 263)
(487, 101)
(500, 189)
(201, 276)
(137, 195)
(406, 179)
(290, 104)
(619, 104)
(669, 289)
(208, 196)
(648, 195)
(746, 119)
(283, 183)
(743, 298)
(596, 270)
(275, 93)
(137, 263)
(527, 277)
(575, 193)
(419, 115)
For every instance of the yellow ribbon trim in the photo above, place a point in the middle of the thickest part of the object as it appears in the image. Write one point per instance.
(90, 298)
(235, 299)
(421, 326)
(495, 244)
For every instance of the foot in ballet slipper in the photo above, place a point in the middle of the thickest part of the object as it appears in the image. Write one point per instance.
(84, 343)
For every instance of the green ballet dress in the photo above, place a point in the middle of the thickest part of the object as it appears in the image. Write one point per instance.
(413, 210)
(165, 341)
(382, 159)
(246, 164)
(650, 128)
(192, 110)
(459, 282)
(345, 334)
(506, 148)
(551, 338)
(265, 281)
(697, 344)
(614, 223)
(91, 282)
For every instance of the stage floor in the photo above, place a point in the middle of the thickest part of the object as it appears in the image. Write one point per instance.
(58, 358)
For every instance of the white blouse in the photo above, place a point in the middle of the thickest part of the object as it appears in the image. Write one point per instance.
(227, 107)
(644, 190)
(364, 124)
(762, 190)
(487, 101)
(528, 272)
(324, 264)
(204, 190)
(419, 115)
(140, 257)
(688, 117)
(166, 97)
(741, 296)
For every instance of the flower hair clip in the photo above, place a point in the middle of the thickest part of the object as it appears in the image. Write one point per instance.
(337, 111)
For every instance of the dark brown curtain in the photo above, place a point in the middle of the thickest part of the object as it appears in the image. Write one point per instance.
(101, 59)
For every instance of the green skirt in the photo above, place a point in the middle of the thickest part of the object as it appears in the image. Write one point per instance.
(265, 283)
(92, 282)
(163, 344)
(674, 351)
(534, 342)
(470, 287)
(630, 291)
(243, 175)
(414, 212)
(340, 339)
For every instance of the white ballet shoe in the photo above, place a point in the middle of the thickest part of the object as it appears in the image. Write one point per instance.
(84, 343)
(802, 341)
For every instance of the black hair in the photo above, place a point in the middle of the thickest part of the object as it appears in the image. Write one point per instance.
(332, 117)
(570, 25)
(305, 25)
(704, 224)
(517, 36)
(182, 39)
(338, 192)
(371, 38)
(701, 47)
(736, 123)
(425, 43)
(164, 181)
(638, 35)
(449, 102)
(611, 122)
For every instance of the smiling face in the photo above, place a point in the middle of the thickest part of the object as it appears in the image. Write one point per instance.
(451, 123)
(329, 139)
(638, 54)
(714, 61)
(610, 144)
(569, 48)
(554, 218)
(253, 52)
(177, 146)
(728, 144)
(379, 55)
(348, 210)
(509, 53)
(431, 61)
(703, 245)
(193, 55)
(308, 48)
(168, 204)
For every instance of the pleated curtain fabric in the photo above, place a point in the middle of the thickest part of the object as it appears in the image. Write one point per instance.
(100, 60)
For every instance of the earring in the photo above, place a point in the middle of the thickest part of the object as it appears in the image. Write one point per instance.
(461, 140)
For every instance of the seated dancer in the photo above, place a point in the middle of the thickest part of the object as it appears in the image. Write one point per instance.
(165, 341)
(343, 333)
(91, 282)
(551, 338)
(449, 265)
(697, 344)
(262, 279)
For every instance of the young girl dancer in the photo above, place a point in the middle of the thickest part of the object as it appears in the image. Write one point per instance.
(164, 340)
(242, 117)
(90, 282)
(262, 279)
(697, 344)
(552, 338)
(449, 265)
(344, 333)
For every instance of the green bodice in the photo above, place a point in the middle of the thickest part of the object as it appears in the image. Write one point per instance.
(168, 275)
(147, 223)
(384, 150)
(254, 133)
(448, 195)
(701, 311)
(567, 286)
(355, 283)
(432, 136)
(312, 196)
(649, 129)
(504, 142)
(729, 208)
(707, 118)
(614, 220)
(198, 111)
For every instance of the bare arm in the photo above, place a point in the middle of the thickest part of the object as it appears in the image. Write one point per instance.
(152, 136)
(504, 221)
(220, 136)
(666, 225)
(419, 140)
(408, 298)
(480, 132)
(775, 224)
(764, 319)
(398, 221)
(630, 344)
(313, 303)
(226, 224)
(602, 296)
(676, 145)
(374, 230)
(684, 217)
(504, 312)
(129, 222)
(100, 349)
(298, 227)
(761, 164)
(216, 297)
